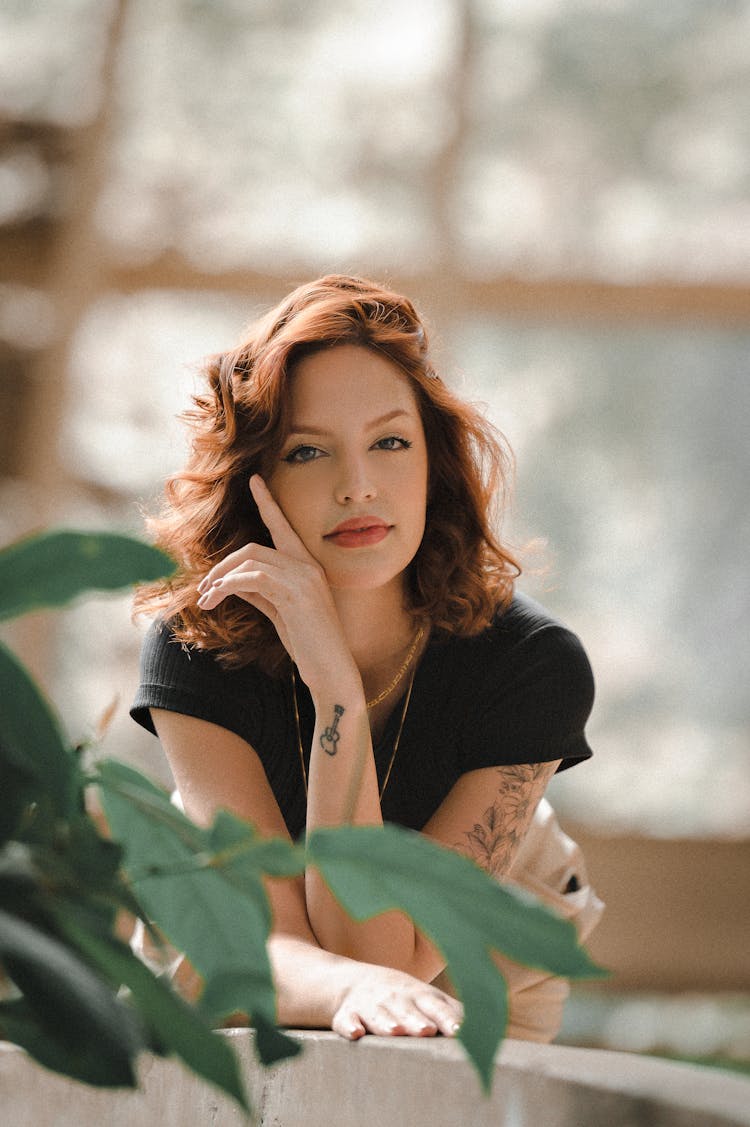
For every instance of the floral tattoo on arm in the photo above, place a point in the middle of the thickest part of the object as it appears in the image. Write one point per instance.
(493, 842)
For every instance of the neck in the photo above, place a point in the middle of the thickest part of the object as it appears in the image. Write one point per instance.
(376, 624)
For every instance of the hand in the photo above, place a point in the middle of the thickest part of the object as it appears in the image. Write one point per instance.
(289, 586)
(392, 1004)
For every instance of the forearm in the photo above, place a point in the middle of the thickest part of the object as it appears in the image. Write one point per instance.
(319, 990)
(342, 784)
(310, 982)
(343, 789)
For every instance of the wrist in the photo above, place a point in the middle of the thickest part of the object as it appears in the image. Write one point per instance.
(311, 983)
(340, 686)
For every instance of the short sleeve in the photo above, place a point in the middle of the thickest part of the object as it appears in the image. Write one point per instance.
(182, 679)
(531, 702)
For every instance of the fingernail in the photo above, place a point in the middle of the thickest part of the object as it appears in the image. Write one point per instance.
(217, 582)
(202, 585)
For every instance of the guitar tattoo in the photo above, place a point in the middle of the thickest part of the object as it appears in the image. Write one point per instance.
(331, 735)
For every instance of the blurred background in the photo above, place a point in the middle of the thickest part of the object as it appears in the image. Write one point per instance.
(562, 188)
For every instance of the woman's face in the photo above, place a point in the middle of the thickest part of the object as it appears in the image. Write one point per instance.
(351, 478)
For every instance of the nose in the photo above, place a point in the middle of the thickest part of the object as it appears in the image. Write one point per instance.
(355, 484)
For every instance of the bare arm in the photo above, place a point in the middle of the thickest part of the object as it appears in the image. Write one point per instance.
(287, 585)
(215, 769)
(494, 839)
(485, 816)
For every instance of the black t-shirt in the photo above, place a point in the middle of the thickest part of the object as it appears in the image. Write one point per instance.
(519, 692)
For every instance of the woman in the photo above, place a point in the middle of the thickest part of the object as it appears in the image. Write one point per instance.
(342, 642)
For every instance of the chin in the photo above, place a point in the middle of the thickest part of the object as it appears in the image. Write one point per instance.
(359, 582)
(363, 579)
(370, 572)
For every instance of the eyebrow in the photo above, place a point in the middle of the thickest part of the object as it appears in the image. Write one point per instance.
(302, 428)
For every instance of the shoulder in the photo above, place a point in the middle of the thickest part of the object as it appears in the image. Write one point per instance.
(523, 687)
(536, 649)
(532, 636)
(184, 678)
(166, 660)
(524, 638)
(162, 650)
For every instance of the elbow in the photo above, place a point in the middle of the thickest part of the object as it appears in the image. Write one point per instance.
(389, 940)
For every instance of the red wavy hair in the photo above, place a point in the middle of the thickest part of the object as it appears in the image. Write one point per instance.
(461, 573)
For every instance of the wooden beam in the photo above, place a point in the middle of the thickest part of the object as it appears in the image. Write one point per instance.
(543, 299)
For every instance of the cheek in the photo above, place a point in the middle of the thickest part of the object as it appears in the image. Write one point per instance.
(298, 506)
(285, 491)
(420, 487)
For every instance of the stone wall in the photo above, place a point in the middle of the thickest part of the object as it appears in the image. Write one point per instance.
(382, 1082)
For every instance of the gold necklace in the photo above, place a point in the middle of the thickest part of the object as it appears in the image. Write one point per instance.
(409, 659)
(396, 742)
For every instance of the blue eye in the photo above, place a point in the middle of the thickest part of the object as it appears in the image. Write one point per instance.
(393, 442)
(302, 454)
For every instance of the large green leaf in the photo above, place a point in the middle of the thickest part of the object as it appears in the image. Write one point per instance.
(16, 788)
(69, 1000)
(461, 909)
(199, 885)
(31, 743)
(178, 1027)
(242, 855)
(53, 1047)
(51, 568)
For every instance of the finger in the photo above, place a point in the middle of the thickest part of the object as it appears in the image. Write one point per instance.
(248, 578)
(397, 1021)
(413, 1024)
(248, 553)
(408, 1019)
(445, 1012)
(282, 533)
(348, 1025)
(383, 1022)
(240, 584)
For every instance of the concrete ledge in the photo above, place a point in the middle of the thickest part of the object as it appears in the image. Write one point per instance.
(390, 1083)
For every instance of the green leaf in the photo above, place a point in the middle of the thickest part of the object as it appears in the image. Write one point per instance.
(460, 908)
(95, 860)
(67, 998)
(51, 568)
(55, 1049)
(30, 739)
(218, 919)
(36, 876)
(271, 1044)
(16, 787)
(134, 790)
(18, 872)
(177, 1026)
(239, 852)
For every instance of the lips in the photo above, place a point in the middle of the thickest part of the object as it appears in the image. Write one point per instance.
(357, 524)
(358, 532)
